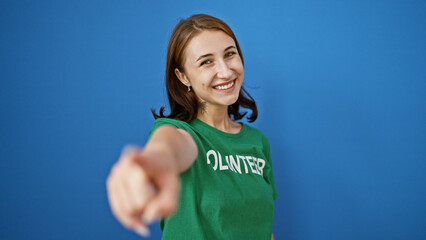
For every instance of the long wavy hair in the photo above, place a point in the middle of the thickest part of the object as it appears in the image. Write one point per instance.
(183, 103)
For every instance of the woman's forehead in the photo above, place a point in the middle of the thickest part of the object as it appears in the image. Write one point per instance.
(208, 42)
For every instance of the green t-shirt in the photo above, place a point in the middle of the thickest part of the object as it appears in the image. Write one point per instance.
(229, 190)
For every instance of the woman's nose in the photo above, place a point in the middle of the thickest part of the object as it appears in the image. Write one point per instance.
(223, 70)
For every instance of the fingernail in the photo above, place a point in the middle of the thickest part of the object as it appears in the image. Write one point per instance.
(144, 232)
(148, 218)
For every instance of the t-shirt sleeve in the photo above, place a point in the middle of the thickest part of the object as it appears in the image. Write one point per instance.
(269, 175)
(174, 123)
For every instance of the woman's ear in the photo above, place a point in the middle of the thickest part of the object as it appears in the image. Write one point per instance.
(182, 77)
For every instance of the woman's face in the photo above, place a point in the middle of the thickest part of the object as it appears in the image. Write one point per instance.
(213, 68)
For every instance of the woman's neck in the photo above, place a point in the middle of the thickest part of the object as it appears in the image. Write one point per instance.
(217, 117)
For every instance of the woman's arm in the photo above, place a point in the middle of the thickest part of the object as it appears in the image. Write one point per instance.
(173, 145)
(145, 182)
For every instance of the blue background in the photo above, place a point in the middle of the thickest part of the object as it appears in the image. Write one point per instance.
(340, 85)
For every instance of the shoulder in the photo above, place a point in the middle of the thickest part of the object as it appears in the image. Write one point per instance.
(254, 131)
(179, 124)
(170, 122)
(259, 137)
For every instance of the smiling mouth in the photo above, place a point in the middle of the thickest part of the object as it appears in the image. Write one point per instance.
(224, 87)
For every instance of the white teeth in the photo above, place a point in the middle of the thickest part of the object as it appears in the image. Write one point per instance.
(225, 87)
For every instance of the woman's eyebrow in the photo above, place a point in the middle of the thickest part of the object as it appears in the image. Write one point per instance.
(226, 49)
(209, 54)
(203, 56)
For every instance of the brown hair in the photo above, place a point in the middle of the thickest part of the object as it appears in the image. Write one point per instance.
(184, 104)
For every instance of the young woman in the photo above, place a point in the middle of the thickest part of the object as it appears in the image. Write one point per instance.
(203, 174)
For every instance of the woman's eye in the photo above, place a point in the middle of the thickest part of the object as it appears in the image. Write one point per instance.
(228, 54)
(206, 62)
